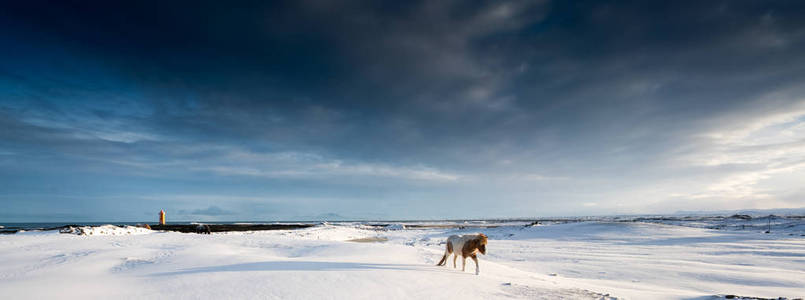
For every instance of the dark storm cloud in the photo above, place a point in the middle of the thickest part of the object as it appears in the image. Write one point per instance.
(535, 98)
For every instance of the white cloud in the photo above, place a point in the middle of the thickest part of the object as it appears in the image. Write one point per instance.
(539, 177)
(302, 165)
(758, 154)
(776, 127)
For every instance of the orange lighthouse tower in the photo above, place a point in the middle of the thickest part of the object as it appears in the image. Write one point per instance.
(161, 217)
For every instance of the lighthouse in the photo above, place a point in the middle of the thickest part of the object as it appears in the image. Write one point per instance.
(161, 217)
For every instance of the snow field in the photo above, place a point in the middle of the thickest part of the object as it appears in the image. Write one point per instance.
(589, 260)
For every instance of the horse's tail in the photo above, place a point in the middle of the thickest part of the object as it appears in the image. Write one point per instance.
(446, 253)
(443, 261)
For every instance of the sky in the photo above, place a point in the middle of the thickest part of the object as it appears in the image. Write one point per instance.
(307, 110)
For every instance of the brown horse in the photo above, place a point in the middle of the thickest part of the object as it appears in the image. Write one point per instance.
(469, 245)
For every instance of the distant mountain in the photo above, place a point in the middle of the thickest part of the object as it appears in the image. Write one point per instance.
(752, 212)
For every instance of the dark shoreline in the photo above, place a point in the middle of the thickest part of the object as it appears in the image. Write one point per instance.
(733, 222)
(208, 228)
(186, 228)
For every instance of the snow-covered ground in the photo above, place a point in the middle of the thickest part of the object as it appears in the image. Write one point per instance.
(582, 260)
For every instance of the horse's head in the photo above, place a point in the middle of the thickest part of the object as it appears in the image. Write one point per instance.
(483, 239)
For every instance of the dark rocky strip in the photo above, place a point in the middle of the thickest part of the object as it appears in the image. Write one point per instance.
(448, 226)
(13, 230)
(750, 298)
(208, 228)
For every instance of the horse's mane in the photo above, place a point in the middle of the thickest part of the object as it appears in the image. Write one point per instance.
(484, 239)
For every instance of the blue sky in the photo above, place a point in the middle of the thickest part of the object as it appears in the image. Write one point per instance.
(398, 110)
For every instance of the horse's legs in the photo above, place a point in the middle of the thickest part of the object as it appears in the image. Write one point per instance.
(455, 256)
(463, 263)
(475, 258)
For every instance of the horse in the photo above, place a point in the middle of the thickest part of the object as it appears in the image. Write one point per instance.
(203, 229)
(469, 245)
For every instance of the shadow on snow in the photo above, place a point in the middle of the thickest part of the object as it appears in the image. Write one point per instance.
(296, 266)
